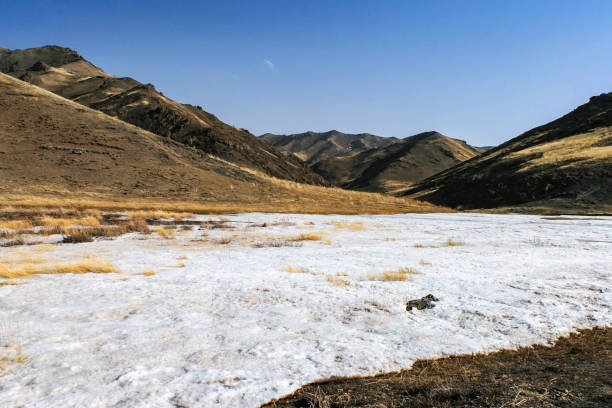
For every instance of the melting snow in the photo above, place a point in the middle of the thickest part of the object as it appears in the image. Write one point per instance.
(231, 328)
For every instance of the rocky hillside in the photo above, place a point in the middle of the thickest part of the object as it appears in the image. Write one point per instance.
(313, 147)
(66, 73)
(565, 164)
(397, 165)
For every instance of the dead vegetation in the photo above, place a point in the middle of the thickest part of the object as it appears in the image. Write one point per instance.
(147, 272)
(307, 237)
(27, 268)
(400, 274)
(10, 354)
(575, 372)
(336, 280)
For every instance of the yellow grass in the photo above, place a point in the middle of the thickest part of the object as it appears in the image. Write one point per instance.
(180, 265)
(165, 233)
(424, 262)
(182, 257)
(291, 269)
(451, 243)
(10, 354)
(147, 272)
(336, 281)
(401, 274)
(354, 226)
(307, 237)
(15, 224)
(26, 270)
(66, 222)
(158, 214)
(8, 283)
(298, 198)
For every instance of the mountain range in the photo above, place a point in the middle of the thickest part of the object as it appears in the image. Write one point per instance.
(66, 125)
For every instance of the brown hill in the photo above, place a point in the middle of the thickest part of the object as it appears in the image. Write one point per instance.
(396, 166)
(66, 73)
(312, 147)
(565, 164)
(54, 151)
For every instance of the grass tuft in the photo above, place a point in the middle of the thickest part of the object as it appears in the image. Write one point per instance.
(336, 281)
(307, 237)
(291, 269)
(27, 269)
(401, 274)
(147, 272)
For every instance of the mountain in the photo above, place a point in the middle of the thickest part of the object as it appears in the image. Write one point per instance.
(52, 148)
(66, 73)
(397, 165)
(565, 164)
(312, 147)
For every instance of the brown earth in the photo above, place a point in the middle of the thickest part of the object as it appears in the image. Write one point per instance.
(575, 372)
(65, 72)
(564, 166)
(56, 152)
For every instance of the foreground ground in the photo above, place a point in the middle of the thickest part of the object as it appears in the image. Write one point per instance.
(575, 372)
(238, 309)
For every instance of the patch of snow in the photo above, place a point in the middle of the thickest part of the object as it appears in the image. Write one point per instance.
(233, 329)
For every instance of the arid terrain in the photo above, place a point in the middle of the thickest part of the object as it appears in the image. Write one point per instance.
(564, 165)
(153, 255)
(366, 162)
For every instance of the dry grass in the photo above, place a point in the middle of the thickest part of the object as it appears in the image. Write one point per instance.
(182, 257)
(147, 272)
(299, 198)
(66, 222)
(307, 237)
(291, 269)
(8, 283)
(353, 226)
(424, 262)
(277, 243)
(158, 214)
(10, 354)
(180, 265)
(27, 269)
(336, 281)
(575, 372)
(400, 274)
(165, 233)
(224, 240)
(452, 243)
(15, 224)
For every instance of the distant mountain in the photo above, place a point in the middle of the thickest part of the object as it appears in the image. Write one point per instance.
(312, 147)
(397, 165)
(565, 164)
(66, 73)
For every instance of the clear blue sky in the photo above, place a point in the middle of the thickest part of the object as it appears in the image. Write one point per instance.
(483, 71)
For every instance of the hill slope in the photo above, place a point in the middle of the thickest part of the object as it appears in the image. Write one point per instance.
(65, 72)
(397, 165)
(54, 150)
(313, 147)
(566, 163)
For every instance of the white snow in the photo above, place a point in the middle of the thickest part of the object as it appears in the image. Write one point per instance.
(232, 329)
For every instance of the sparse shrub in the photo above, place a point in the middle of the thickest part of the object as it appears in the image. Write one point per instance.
(78, 237)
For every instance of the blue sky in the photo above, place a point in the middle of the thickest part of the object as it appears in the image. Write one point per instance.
(482, 71)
